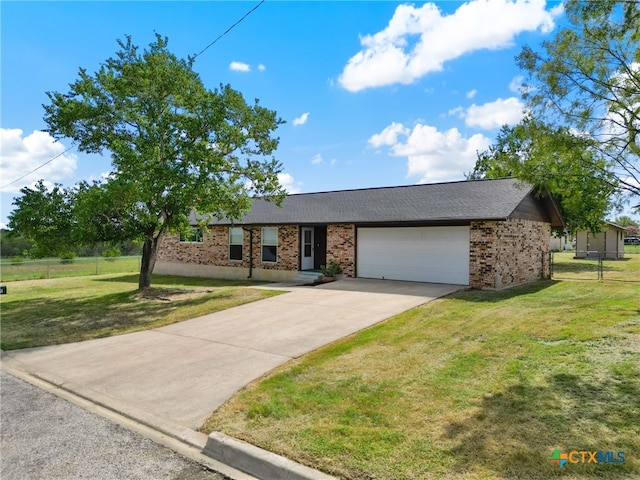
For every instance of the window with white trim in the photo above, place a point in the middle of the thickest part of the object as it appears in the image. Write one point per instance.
(270, 244)
(195, 235)
(236, 237)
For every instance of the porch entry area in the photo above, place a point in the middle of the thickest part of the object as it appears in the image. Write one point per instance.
(313, 247)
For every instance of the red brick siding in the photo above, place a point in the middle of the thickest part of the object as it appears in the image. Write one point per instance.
(341, 247)
(214, 250)
(505, 253)
(288, 247)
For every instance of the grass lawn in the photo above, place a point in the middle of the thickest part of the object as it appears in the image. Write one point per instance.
(566, 267)
(63, 310)
(56, 268)
(478, 385)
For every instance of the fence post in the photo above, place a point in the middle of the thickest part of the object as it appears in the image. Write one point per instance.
(600, 268)
(551, 265)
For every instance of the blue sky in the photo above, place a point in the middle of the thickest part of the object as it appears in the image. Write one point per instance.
(374, 93)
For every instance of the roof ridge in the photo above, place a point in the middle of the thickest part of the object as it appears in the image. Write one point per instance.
(390, 187)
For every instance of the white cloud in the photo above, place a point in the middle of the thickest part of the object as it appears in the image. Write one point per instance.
(20, 155)
(317, 159)
(516, 84)
(388, 136)
(261, 67)
(471, 93)
(432, 155)
(289, 184)
(495, 114)
(239, 67)
(458, 112)
(419, 40)
(301, 120)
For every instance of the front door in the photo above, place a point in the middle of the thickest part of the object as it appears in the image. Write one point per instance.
(306, 248)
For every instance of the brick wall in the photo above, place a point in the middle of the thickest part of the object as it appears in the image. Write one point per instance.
(288, 248)
(505, 253)
(214, 250)
(341, 247)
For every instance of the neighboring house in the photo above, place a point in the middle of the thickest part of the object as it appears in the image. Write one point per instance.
(609, 243)
(484, 233)
(560, 243)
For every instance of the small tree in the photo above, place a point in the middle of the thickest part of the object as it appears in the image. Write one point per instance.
(175, 147)
(45, 218)
(626, 221)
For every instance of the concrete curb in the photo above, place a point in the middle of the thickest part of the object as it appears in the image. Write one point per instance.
(186, 442)
(233, 458)
(256, 461)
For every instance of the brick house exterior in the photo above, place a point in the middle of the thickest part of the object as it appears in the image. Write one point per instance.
(508, 227)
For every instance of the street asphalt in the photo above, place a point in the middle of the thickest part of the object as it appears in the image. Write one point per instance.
(46, 437)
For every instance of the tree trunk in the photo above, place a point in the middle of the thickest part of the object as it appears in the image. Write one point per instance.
(149, 254)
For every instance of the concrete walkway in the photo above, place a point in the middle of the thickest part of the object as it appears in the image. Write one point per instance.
(174, 377)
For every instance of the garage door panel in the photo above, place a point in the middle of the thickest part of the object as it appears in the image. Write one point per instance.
(424, 254)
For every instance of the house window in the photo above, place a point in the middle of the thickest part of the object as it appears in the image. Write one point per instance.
(236, 236)
(270, 244)
(194, 235)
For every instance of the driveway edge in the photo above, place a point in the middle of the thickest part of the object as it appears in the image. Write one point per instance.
(188, 444)
(256, 461)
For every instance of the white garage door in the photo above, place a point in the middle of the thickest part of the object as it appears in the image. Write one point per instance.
(420, 254)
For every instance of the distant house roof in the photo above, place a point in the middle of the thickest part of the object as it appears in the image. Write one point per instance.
(453, 202)
(615, 225)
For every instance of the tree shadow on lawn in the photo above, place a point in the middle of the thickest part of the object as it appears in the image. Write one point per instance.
(514, 433)
(173, 280)
(493, 296)
(46, 321)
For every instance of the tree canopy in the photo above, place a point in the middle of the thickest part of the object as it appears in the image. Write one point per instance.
(175, 147)
(587, 79)
(556, 161)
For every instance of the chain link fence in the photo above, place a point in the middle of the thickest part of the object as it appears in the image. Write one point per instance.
(13, 270)
(602, 266)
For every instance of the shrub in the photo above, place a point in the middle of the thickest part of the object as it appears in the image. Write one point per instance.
(111, 253)
(67, 257)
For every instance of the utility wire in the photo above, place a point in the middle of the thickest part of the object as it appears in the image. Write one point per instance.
(228, 30)
(192, 59)
(38, 168)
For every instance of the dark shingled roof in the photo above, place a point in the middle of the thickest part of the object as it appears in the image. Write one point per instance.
(437, 202)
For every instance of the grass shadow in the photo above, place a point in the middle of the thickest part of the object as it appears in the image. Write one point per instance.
(495, 296)
(172, 280)
(49, 321)
(515, 431)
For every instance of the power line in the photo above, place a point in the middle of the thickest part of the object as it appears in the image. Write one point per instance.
(38, 168)
(192, 59)
(228, 30)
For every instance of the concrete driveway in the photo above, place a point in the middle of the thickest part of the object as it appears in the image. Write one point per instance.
(175, 376)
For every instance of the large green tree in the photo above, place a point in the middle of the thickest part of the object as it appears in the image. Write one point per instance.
(557, 161)
(175, 147)
(587, 79)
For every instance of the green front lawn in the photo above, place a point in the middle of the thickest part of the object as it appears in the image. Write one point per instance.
(566, 267)
(62, 310)
(478, 385)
